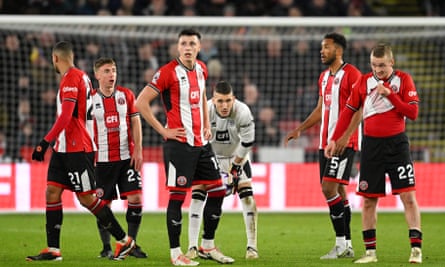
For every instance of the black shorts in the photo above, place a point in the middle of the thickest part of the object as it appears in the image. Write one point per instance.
(120, 174)
(385, 156)
(336, 169)
(186, 165)
(73, 171)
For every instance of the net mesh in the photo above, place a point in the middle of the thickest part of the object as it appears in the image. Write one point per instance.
(273, 65)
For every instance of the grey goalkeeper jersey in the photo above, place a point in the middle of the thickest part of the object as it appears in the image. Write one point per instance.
(228, 133)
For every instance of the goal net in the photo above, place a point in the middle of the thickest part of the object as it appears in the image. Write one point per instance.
(273, 63)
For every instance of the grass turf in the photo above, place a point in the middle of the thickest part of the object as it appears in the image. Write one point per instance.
(284, 239)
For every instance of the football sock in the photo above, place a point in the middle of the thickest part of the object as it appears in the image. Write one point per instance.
(336, 212)
(134, 218)
(415, 237)
(106, 218)
(347, 220)
(212, 214)
(104, 236)
(369, 238)
(195, 216)
(174, 218)
(250, 215)
(54, 218)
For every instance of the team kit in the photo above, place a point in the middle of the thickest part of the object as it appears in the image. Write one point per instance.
(96, 143)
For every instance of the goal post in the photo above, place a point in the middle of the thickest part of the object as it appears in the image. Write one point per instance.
(272, 62)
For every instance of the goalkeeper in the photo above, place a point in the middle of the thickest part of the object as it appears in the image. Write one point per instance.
(233, 133)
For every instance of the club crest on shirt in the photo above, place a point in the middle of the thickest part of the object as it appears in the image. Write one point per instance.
(121, 101)
(336, 81)
(394, 88)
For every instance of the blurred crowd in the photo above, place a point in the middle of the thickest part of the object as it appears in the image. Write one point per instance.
(210, 7)
(276, 77)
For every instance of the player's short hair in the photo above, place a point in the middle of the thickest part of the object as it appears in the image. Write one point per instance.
(102, 61)
(189, 32)
(338, 39)
(382, 50)
(223, 87)
(63, 49)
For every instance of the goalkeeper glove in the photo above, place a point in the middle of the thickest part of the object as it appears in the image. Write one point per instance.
(39, 150)
(236, 172)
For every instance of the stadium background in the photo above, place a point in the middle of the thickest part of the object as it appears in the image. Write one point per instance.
(273, 63)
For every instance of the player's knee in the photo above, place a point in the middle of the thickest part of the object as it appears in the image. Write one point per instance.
(176, 195)
(217, 193)
(199, 194)
(408, 199)
(244, 192)
(135, 198)
(329, 190)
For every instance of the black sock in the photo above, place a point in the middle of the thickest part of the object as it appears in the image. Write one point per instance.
(134, 218)
(369, 238)
(337, 214)
(174, 221)
(104, 236)
(415, 237)
(212, 214)
(108, 221)
(347, 219)
(54, 218)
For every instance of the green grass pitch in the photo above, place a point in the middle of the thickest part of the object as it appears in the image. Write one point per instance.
(284, 239)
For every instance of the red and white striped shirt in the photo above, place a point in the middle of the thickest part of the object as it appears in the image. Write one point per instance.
(381, 116)
(112, 124)
(335, 90)
(75, 86)
(182, 92)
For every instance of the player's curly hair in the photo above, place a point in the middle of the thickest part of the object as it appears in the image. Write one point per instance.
(337, 38)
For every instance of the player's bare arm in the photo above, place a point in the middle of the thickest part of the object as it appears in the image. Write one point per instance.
(143, 102)
(342, 142)
(311, 120)
(207, 129)
(136, 131)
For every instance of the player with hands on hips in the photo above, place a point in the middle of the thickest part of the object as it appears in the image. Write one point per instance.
(388, 97)
(188, 156)
(233, 136)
